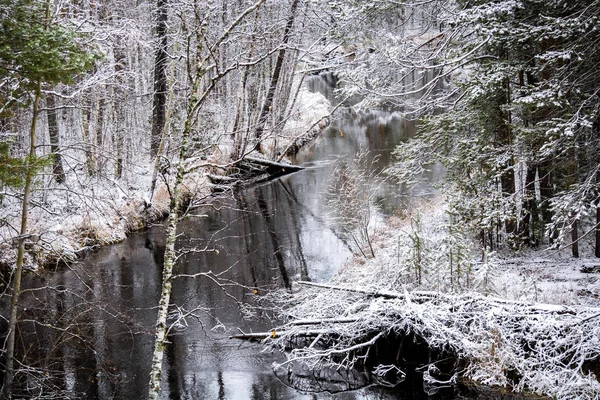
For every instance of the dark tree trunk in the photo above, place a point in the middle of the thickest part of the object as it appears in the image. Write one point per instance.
(575, 239)
(159, 107)
(57, 167)
(597, 250)
(100, 132)
(546, 192)
(530, 210)
(268, 104)
(508, 177)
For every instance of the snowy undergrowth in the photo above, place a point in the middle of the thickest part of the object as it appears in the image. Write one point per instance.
(424, 250)
(85, 212)
(484, 308)
(540, 349)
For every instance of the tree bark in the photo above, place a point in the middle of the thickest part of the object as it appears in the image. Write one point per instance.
(575, 239)
(86, 123)
(100, 132)
(530, 209)
(268, 104)
(239, 131)
(597, 249)
(546, 176)
(159, 107)
(57, 167)
(119, 101)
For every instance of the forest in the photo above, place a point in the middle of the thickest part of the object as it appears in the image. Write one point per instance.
(118, 115)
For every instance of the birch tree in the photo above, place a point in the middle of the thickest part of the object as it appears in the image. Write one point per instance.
(200, 66)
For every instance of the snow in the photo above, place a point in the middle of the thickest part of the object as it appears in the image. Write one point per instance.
(83, 213)
(484, 314)
(541, 276)
(309, 109)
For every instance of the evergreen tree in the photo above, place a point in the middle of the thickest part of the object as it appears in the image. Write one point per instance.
(520, 134)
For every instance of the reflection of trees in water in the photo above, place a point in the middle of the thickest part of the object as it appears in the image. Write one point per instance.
(308, 378)
(273, 236)
(81, 330)
(295, 227)
(97, 338)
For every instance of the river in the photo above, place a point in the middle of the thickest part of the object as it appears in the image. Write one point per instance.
(88, 329)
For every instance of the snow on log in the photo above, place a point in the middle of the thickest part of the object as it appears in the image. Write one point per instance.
(274, 334)
(251, 171)
(549, 350)
(273, 164)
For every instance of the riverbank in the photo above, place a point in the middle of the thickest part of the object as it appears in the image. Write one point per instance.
(532, 275)
(87, 212)
(525, 322)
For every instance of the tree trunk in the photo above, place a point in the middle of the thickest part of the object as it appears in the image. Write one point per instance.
(100, 132)
(530, 209)
(16, 287)
(195, 103)
(57, 167)
(119, 101)
(597, 250)
(239, 131)
(159, 107)
(268, 104)
(508, 177)
(170, 257)
(575, 239)
(86, 124)
(167, 283)
(546, 176)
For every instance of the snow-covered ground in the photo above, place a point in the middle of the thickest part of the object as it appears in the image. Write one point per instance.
(488, 313)
(534, 275)
(85, 212)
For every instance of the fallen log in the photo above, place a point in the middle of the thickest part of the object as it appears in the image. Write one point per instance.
(274, 334)
(273, 164)
(374, 293)
(421, 296)
(251, 171)
(323, 321)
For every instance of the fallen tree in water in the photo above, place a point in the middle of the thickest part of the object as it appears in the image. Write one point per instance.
(251, 170)
(544, 349)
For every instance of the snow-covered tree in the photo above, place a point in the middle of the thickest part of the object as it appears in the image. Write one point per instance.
(518, 131)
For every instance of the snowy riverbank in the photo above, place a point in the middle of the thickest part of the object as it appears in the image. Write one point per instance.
(89, 211)
(527, 323)
(533, 275)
